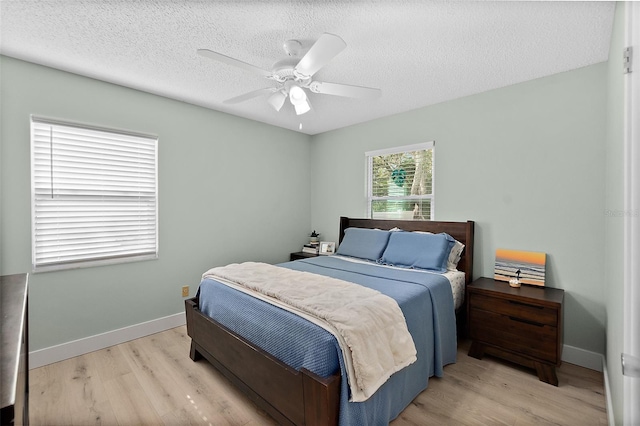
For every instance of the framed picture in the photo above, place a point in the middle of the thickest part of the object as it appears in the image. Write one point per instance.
(327, 247)
(528, 266)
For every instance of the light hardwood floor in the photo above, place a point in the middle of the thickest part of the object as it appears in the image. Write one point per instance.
(153, 381)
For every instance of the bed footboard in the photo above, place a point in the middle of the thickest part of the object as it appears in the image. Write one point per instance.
(291, 397)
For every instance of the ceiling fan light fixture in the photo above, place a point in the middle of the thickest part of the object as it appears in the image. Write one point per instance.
(302, 107)
(297, 95)
(277, 100)
(293, 76)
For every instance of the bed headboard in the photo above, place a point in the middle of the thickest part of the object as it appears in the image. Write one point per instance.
(461, 231)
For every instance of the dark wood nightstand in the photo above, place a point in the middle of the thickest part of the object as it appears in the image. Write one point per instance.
(522, 325)
(301, 255)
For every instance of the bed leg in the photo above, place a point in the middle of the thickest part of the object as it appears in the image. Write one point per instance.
(193, 353)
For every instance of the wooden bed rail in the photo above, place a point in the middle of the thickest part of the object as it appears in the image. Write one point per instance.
(291, 397)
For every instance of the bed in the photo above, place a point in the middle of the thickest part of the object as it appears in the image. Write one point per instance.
(301, 389)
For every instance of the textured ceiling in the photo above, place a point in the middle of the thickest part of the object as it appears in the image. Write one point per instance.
(417, 52)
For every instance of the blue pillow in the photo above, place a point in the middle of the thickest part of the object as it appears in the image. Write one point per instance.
(363, 243)
(418, 250)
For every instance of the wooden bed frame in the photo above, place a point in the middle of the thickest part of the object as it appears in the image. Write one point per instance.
(294, 397)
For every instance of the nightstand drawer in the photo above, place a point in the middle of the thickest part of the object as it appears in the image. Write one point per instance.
(519, 335)
(522, 324)
(515, 308)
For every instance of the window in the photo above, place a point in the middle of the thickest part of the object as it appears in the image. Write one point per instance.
(94, 195)
(400, 182)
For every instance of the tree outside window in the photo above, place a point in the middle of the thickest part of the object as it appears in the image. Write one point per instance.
(401, 182)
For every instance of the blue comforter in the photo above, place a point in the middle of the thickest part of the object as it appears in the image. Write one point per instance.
(424, 298)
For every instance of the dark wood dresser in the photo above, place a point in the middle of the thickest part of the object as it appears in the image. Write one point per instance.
(522, 325)
(14, 352)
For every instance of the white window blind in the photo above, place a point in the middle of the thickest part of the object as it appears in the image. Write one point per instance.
(400, 182)
(94, 195)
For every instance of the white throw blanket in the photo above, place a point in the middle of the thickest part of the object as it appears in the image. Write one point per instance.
(369, 326)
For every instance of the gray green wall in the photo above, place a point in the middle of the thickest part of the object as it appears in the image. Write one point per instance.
(525, 162)
(536, 165)
(613, 284)
(228, 192)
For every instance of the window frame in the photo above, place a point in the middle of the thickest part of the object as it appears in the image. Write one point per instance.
(399, 150)
(90, 261)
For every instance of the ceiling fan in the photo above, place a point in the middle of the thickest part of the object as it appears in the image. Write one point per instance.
(293, 76)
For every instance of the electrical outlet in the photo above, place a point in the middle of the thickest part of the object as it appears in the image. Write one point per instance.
(185, 291)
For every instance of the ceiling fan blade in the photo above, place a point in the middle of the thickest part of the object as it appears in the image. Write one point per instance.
(234, 62)
(250, 95)
(345, 90)
(322, 51)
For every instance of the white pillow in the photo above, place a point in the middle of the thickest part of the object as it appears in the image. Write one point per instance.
(454, 256)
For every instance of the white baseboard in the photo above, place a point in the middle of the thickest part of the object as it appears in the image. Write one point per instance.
(104, 340)
(582, 357)
(607, 394)
(38, 358)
